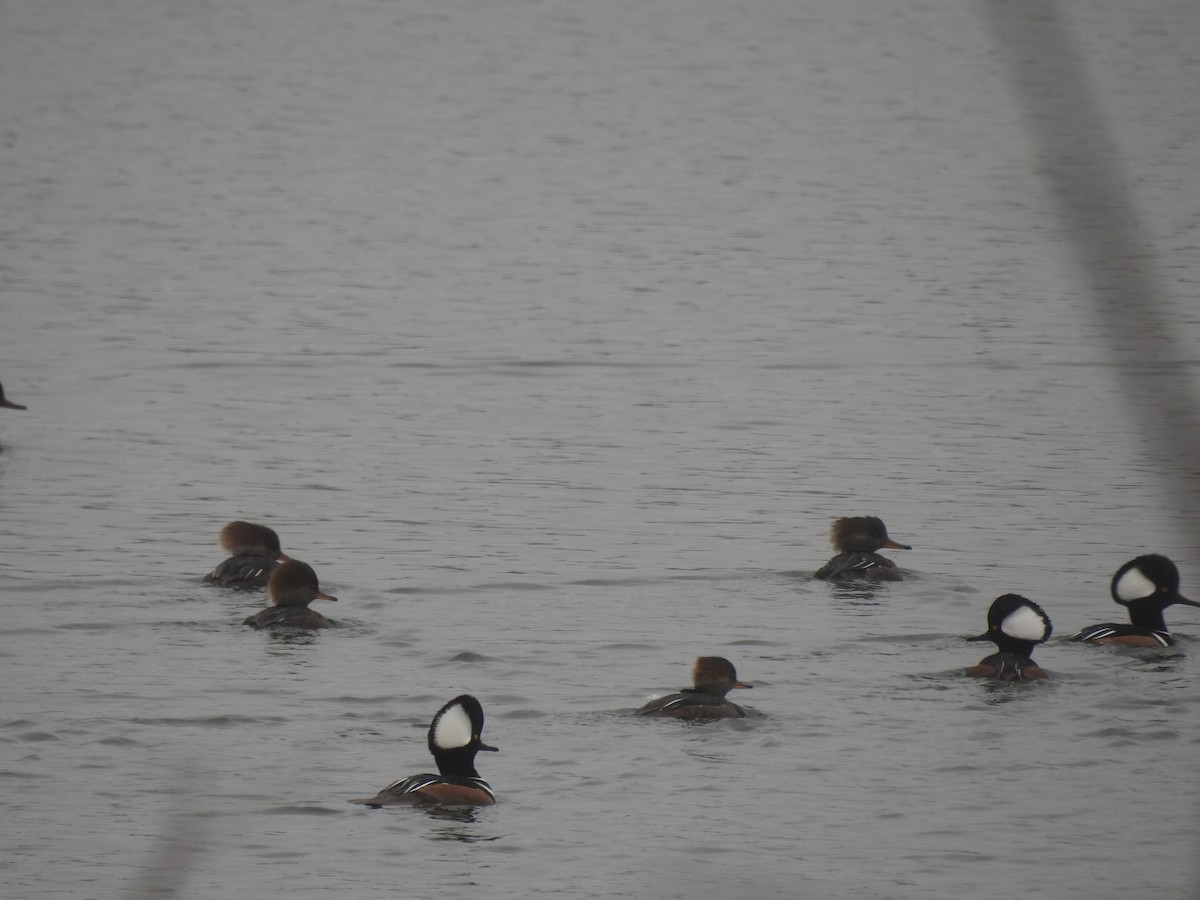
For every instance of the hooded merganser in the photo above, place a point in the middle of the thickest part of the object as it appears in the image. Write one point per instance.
(712, 678)
(6, 403)
(254, 553)
(1016, 625)
(1145, 586)
(291, 587)
(857, 538)
(453, 740)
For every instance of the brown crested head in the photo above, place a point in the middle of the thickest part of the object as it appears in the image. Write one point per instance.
(862, 534)
(248, 539)
(715, 675)
(294, 583)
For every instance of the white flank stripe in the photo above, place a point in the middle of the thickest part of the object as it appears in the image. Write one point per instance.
(1133, 585)
(480, 783)
(453, 729)
(1025, 625)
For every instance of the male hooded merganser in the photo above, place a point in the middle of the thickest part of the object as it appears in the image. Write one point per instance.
(857, 538)
(6, 403)
(453, 740)
(1016, 625)
(712, 677)
(1145, 586)
(292, 586)
(254, 553)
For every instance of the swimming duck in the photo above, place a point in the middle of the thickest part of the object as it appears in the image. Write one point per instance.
(712, 678)
(291, 587)
(454, 739)
(1145, 586)
(254, 553)
(1016, 625)
(857, 538)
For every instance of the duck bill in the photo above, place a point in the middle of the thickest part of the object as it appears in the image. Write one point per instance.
(8, 404)
(986, 636)
(488, 747)
(1179, 598)
(742, 684)
(895, 545)
(321, 595)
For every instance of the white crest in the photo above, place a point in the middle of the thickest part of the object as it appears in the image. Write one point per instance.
(1024, 624)
(1133, 585)
(452, 729)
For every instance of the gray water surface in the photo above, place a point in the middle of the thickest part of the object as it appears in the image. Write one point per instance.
(554, 336)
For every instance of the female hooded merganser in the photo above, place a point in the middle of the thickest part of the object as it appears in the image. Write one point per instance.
(1015, 625)
(1145, 586)
(254, 553)
(6, 403)
(857, 538)
(712, 677)
(453, 740)
(292, 586)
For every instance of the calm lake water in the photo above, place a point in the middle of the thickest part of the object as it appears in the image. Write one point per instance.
(554, 336)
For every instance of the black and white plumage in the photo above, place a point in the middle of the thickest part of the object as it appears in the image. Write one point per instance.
(425, 789)
(1127, 635)
(1015, 625)
(1145, 586)
(454, 739)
